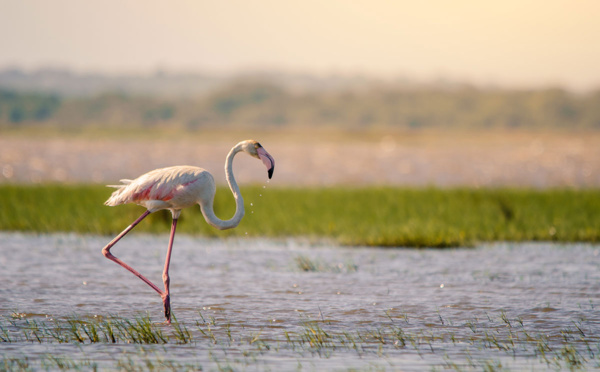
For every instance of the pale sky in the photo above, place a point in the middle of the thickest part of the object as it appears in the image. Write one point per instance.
(507, 42)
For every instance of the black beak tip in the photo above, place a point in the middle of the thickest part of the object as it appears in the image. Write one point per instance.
(271, 172)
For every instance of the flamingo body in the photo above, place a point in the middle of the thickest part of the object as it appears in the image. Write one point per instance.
(172, 188)
(175, 188)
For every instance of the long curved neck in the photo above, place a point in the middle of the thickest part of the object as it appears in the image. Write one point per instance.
(208, 208)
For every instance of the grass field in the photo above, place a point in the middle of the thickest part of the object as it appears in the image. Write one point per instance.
(377, 216)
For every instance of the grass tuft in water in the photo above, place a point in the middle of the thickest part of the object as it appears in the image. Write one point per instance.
(180, 331)
(307, 264)
(316, 337)
(141, 331)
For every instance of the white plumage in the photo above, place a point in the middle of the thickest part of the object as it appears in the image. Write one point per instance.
(171, 188)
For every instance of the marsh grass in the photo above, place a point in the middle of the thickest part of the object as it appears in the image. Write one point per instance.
(110, 329)
(477, 343)
(374, 216)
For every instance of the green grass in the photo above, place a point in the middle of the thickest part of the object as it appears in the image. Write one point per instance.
(378, 216)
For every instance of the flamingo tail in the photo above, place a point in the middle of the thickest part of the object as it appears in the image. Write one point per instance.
(118, 197)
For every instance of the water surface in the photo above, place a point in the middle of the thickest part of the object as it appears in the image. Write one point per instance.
(523, 306)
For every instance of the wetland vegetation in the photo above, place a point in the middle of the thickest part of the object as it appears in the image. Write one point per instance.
(372, 216)
(233, 346)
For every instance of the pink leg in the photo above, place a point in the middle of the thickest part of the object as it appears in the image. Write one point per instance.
(107, 254)
(166, 279)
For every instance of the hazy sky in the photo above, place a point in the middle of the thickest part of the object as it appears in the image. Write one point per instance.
(507, 42)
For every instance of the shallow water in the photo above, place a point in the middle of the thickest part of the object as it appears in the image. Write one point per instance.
(521, 306)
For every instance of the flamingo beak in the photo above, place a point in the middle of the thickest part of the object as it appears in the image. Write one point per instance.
(267, 160)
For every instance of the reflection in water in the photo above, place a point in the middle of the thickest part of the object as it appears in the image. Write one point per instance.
(318, 306)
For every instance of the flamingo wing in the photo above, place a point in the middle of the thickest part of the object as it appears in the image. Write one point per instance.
(157, 188)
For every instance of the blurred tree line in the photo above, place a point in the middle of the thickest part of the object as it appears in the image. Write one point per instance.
(16, 108)
(250, 104)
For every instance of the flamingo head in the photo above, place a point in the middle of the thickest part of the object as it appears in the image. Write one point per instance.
(256, 150)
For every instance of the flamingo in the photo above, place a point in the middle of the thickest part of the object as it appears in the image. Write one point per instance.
(175, 188)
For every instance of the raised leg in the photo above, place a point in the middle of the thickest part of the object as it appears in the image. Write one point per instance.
(166, 279)
(110, 256)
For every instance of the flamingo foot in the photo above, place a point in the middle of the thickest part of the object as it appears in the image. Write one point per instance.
(167, 307)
